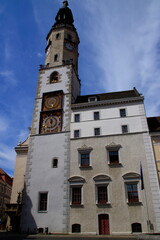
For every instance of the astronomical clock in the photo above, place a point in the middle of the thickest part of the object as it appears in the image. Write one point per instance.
(51, 115)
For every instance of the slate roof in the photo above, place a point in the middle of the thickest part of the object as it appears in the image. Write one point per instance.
(110, 96)
(154, 124)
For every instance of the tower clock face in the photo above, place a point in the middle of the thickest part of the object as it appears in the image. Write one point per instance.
(52, 102)
(69, 46)
(50, 123)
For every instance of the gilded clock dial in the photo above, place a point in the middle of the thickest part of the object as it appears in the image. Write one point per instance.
(52, 102)
(50, 122)
(69, 46)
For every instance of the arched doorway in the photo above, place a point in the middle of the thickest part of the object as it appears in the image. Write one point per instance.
(103, 220)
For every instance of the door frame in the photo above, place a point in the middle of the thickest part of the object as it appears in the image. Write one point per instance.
(99, 222)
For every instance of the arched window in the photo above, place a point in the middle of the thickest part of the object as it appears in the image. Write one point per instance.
(56, 57)
(55, 163)
(76, 228)
(54, 77)
(136, 227)
(58, 36)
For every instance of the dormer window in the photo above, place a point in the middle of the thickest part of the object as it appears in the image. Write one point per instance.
(92, 99)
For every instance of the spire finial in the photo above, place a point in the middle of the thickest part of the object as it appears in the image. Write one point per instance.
(65, 3)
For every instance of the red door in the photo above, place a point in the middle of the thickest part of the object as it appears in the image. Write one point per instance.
(104, 224)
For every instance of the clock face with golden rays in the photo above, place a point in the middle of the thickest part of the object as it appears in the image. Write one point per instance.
(52, 102)
(50, 123)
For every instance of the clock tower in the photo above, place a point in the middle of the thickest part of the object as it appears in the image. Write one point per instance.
(46, 192)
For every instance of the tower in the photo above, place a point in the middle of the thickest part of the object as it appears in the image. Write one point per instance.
(46, 190)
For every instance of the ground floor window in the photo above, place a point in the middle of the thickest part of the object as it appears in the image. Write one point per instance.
(76, 228)
(136, 227)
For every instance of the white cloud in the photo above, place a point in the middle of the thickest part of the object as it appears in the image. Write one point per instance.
(8, 77)
(125, 40)
(4, 124)
(7, 158)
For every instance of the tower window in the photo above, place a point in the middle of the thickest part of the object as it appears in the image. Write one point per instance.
(43, 201)
(58, 36)
(54, 77)
(69, 37)
(56, 57)
(55, 163)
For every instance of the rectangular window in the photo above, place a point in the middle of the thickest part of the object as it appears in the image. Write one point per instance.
(97, 131)
(102, 194)
(43, 201)
(85, 159)
(123, 112)
(113, 157)
(55, 163)
(76, 195)
(132, 192)
(96, 115)
(124, 129)
(76, 134)
(77, 117)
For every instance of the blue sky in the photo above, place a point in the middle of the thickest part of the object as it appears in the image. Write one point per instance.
(119, 49)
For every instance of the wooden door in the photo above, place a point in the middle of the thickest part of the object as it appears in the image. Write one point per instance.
(104, 224)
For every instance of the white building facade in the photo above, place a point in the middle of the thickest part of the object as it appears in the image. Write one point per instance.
(90, 165)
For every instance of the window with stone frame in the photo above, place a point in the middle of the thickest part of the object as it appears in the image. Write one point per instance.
(132, 192)
(113, 156)
(102, 194)
(101, 188)
(84, 156)
(85, 159)
(76, 195)
(113, 152)
(76, 185)
(131, 181)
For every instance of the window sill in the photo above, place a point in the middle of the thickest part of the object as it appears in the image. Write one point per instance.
(85, 167)
(108, 204)
(76, 205)
(115, 165)
(42, 211)
(134, 203)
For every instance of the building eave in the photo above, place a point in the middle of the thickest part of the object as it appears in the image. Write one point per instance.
(107, 102)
